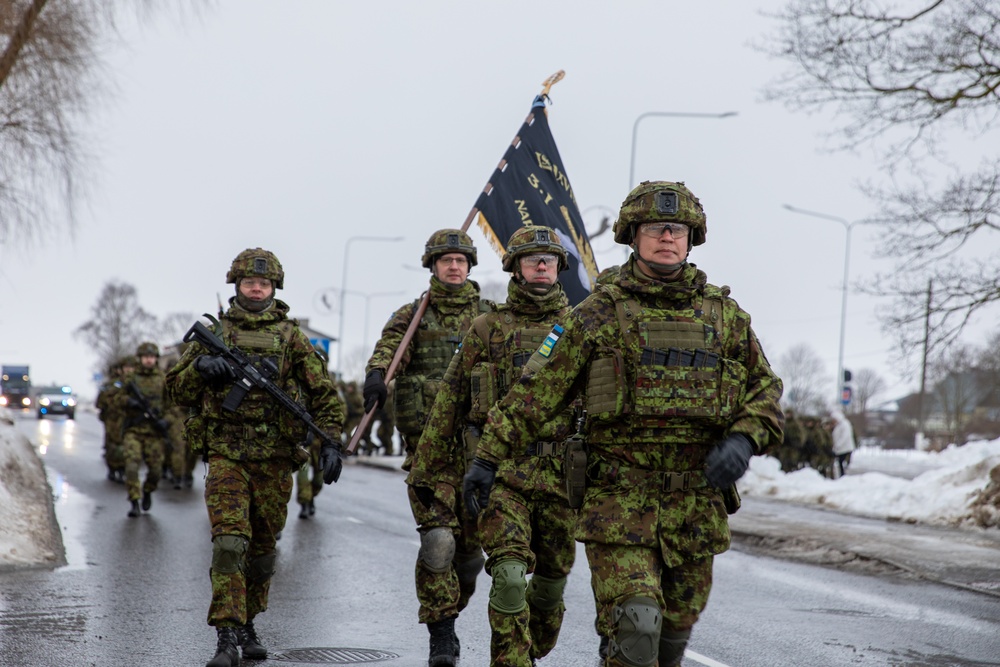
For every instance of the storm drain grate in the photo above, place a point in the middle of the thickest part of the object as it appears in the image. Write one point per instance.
(332, 656)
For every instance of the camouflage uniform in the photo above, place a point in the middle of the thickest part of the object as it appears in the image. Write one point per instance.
(790, 452)
(818, 443)
(252, 451)
(182, 459)
(113, 416)
(386, 425)
(450, 311)
(144, 434)
(670, 368)
(309, 480)
(528, 525)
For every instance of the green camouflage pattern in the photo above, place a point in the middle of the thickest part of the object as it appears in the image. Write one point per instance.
(533, 239)
(641, 206)
(625, 504)
(445, 241)
(112, 414)
(142, 441)
(251, 452)
(309, 477)
(249, 499)
(528, 517)
(182, 459)
(256, 263)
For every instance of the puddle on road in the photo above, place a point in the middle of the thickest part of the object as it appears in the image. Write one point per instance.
(73, 511)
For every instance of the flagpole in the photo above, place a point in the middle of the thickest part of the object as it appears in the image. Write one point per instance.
(362, 426)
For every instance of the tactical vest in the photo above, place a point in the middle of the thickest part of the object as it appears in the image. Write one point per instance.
(671, 380)
(150, 385)
(489, 381)
(258, 419)
(416, 388)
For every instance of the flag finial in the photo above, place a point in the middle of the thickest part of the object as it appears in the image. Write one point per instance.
(551, 81)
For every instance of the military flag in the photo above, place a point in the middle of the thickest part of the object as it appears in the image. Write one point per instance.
(530, 187)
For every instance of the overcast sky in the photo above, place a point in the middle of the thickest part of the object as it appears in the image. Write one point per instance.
(298, 125)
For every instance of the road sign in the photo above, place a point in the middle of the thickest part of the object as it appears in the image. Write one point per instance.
(845, 395)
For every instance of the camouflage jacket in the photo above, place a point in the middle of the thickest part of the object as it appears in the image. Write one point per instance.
(631, 448)
(111, 413)
(150, 382)
(448, 316)
(478, 376)
(259, 428)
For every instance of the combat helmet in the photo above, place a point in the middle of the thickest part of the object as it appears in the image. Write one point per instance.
(660, 201)
(533, 239)
(147, 349)
(256, 262)
(444, 241)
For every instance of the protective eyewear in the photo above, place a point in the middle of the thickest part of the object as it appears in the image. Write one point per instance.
(532, 261)
(656, 229)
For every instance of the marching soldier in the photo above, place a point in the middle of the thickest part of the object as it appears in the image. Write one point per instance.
(143, 400)
(679, 396)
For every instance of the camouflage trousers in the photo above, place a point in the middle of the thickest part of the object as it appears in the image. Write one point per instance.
(182, 460)
(114, 454)
(309, 477)
(442, 595)
(142, 447)
(248, 499)
(619, 572)
(536, 529)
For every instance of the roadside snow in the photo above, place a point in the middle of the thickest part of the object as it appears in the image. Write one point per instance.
(29, 534)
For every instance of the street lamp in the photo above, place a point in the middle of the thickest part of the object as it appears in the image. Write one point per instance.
(343, 291)
(848, 226)
(668, 114)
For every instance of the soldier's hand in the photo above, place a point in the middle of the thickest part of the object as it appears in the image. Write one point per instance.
(374, 390)
(163, 425)
(213, 368)
(728, 460)
(332, 462)
(477, 485)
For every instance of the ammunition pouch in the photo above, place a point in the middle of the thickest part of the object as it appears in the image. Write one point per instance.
(607, 398)
(194, 434)
(483, 391)
(575, 470)
(414, 397)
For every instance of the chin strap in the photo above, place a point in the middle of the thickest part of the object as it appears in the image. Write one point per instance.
(663, 270)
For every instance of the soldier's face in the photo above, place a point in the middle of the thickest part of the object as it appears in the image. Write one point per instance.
(147, 360)
(452, 268)
(539, 268)
(662, 249)
(256, 289)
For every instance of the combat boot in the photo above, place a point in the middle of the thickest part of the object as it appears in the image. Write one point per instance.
(250, 643)
(304, 512)
(134, 511)
(147, 500)
(443, 646)
(227, 651)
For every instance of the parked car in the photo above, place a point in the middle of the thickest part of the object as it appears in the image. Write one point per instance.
(56, 401)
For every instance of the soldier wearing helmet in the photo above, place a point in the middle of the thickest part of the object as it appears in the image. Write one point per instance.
(251, 450)
(143, 401)
(678, 397)
(453, 303)
(530, 497)
(112, 414)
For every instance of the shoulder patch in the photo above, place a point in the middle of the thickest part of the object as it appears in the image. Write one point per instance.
(550, 341)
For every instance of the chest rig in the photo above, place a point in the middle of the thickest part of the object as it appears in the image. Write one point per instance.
(416, 387)
(671, 372)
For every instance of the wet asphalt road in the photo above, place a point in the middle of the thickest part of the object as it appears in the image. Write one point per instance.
(136, 591)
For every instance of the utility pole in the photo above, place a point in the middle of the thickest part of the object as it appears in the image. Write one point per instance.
(919, 440)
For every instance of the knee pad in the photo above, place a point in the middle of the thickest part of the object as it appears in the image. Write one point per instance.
(437, 549)
(636, 632)
(507, 594)
(261, 568)
(468, 567)
(672, 645)
(544, 593)
(229, 553)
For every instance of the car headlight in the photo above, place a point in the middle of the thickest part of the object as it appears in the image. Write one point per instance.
(3, 401)
(43, 401)
(70, 402)
(26, 401)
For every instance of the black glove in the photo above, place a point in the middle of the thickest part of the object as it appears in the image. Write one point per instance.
(133, 403)
(332, 462)
(374, 390)
(163, 425)
(213, 368)
(728, 460)
(477, 485)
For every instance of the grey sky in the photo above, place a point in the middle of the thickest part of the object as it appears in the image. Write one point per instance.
(297, 125)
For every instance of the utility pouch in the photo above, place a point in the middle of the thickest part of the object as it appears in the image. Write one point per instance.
(606, 394)
(470, 438)
(575, 470)
(731, 499)
(483, 390)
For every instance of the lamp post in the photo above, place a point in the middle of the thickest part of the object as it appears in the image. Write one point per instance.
(668, 114)
(848, 226)
(343, 291)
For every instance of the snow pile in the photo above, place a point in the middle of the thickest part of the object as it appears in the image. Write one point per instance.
(29, 534)
(954, 490)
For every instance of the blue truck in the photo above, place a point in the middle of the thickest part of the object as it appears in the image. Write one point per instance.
(15, 387)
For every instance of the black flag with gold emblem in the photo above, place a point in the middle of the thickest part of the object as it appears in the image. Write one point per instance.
(530, 187)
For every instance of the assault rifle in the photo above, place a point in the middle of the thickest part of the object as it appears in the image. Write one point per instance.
(149, 413)
(249, 376)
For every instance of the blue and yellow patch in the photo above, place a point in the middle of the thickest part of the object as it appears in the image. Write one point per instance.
(550, 341)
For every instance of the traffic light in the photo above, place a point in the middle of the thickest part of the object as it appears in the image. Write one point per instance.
(847, 375)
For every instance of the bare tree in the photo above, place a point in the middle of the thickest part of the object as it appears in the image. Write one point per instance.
(957, 390)
(802, 372)
(868, 384)
(117, 324)
(906, 79)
